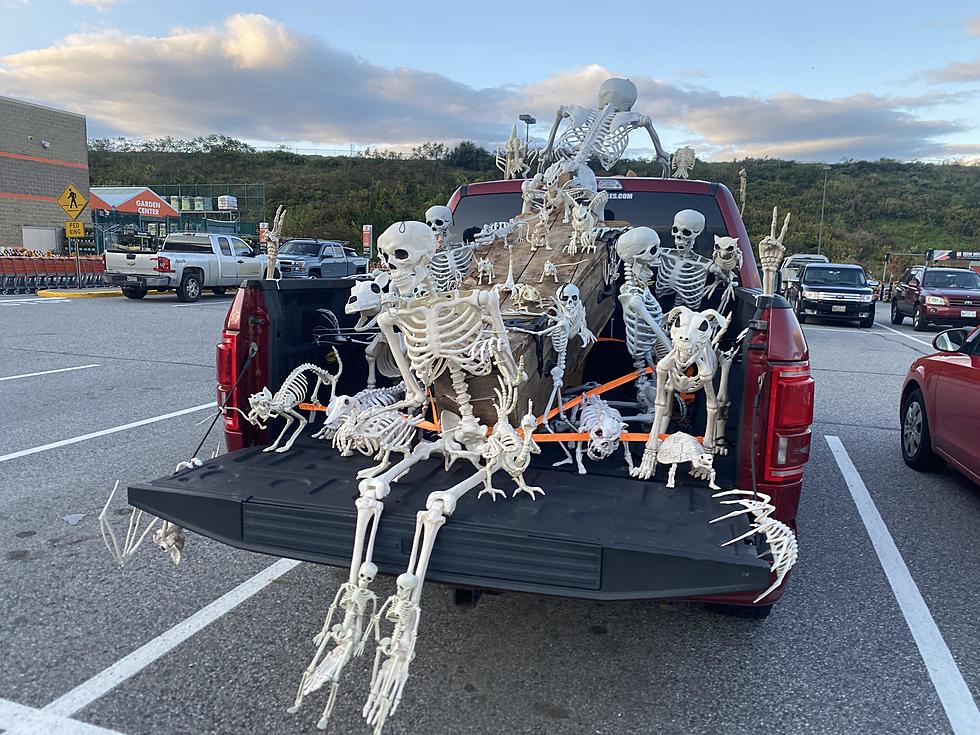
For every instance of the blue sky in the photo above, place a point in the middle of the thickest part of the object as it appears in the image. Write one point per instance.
(829, 81)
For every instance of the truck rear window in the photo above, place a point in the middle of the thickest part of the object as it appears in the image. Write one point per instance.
(654, 209)
(188, 244)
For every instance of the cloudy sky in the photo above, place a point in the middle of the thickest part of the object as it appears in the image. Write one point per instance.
(830, 81)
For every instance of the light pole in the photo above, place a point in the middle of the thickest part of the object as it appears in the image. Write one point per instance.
(823, 204)
(528, 122)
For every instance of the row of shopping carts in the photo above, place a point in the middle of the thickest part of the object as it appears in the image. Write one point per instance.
(19, 274)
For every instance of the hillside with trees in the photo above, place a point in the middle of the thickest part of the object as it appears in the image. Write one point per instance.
(871, 208)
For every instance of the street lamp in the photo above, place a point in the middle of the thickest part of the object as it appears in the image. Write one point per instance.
(528, 122)
(823, 204)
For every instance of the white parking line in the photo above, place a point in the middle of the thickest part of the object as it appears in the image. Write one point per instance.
(961, 710)
(89, 691)
(104, 432)
(903, 334)
(18, 719)
(48, 372)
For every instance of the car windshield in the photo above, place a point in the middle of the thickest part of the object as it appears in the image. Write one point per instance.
(951, 279)
(834, 277)
(300, 247)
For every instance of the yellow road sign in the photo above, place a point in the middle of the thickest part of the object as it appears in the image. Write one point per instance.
(74, 228)
(72, 201)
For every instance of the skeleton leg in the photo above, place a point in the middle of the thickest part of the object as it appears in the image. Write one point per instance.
(724, 402)
(671, 481)
(711, 426)
(629, 457)
(665, 394)
(272, 447)
(293, 413)
(578, 458)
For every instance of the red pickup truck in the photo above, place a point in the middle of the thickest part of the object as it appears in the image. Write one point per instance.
(616, 539)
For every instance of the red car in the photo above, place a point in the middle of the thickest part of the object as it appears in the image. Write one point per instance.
(940, 412)
(937, 296)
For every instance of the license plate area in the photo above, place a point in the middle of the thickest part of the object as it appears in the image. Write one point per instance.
(838, 308)
(968, 313)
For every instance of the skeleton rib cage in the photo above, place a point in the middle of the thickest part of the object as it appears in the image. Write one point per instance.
(603, 133)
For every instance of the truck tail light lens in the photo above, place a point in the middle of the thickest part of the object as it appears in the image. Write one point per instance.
(790, 416)
(163, 264)
(227, 368)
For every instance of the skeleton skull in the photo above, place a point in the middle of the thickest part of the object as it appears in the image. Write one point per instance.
(439, 219)
(406, 582)
(261, 404)
(639, 245)
(365, 300)
(604, 438)
(569, 298)
(688, 224)
(620, 93)
(366, 574)
(407, 247)
(727, 255)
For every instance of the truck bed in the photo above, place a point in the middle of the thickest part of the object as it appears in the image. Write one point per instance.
(617, 538)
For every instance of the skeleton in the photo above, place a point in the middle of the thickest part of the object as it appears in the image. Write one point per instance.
(604, 425)
(484, 269)
(743, 180)
(273, 237)
(771, 251)
(357, 601)
(377, 436)
(491, 232)
(449, 266)
(551, 269)
(515, 157)
(530, 190)
(780, 537)
(524, 292)
(505, 447)
(603, 132)
(678, 448)
(342, 407)
(727, 258)
(682, 270)
(583, 231)
(366, 300)
(682, 161)
(439, 219)
(540, 234)
(695, 336)
(643, 317)
(265, 405)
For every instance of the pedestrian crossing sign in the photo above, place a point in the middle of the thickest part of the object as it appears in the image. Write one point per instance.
(72, 201)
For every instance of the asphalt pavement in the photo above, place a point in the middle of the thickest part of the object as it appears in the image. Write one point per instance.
(217, 645)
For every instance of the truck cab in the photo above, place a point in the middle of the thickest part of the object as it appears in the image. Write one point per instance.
(313, 258)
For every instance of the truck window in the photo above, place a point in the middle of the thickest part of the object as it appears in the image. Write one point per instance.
(188, 244)
(224, 246)
(639, 208)
(241, 247)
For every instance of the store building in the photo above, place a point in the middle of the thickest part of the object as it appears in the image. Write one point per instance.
(42, 150)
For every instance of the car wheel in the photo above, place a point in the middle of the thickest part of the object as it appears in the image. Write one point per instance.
(800, 316)
(133, 292)
(916, 440)
(868, 322)
(315, 273)
(219, 291)
(747, 612)
(919, 321)
(897, 317)
(190, 288)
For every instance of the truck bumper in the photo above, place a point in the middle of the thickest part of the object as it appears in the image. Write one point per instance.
(826, 309)
(611, 539)
(128, 279)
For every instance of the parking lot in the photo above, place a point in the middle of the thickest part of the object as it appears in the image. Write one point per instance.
(99, 390)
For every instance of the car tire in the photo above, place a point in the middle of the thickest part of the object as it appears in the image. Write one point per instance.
(133, 292)
(916, 439)
(897, 317)
(919, 321)
(219, 291)
(868, 322)
(746, 612)
(800, 316)
(315, 273)
(189, 289)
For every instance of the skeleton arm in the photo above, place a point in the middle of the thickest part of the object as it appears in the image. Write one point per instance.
(414, 395)
(547, 155)
(661, 153)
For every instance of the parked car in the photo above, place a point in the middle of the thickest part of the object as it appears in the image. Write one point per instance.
(937, 296)
(637, 547)
(187, 263)
(875, 285)
(791, 268)
(319, 259)
(833, 291)
(940, 410)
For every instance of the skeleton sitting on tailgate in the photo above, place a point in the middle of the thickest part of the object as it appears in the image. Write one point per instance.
(682, 271)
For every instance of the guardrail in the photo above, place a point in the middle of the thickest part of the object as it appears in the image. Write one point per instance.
(23, 274)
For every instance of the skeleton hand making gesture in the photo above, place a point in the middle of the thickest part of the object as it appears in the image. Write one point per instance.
(771, 251)
(273, 236)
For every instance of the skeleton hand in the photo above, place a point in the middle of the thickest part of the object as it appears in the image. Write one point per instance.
(771, 251)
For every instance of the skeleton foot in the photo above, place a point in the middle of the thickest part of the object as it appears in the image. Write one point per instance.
(648, 465)
(489, 488)
(523, 487)
(375, 470)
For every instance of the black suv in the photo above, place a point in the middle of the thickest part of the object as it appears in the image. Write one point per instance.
(834, 291)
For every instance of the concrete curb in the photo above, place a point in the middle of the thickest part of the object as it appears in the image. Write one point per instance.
(73, 294)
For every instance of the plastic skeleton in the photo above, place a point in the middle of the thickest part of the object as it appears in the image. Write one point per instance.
(265, 405)
(604, 425)
(484, 269)
(603, 132)
(583, 231)
(514, 158)
(551, 269)
(524, 292)
(358, 603)
(439, 218)
(643, 318)
(491, 232)
(682, 270)
(505, 447)
(366, 299)
(540, 234)
(771, 251)
(682, 161)
(695, 336)
(273, 236)
(377, 436)
(679, 448)
(727, 257)
(780, 537)
(341, 407)
(449, 266)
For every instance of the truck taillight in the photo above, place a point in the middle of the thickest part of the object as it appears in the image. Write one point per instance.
(790, 416)
(163, 264)
(227, 364)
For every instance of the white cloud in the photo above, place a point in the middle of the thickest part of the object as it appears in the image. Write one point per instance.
(100, 5)
(251, 77)
(973, 26)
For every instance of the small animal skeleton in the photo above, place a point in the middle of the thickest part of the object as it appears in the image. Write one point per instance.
(366, 299)
(676, 449)
(604, 425)
(265, 405)
(515, 157)
(540, 234)
(342, 407)
(484, 269)
(727, 258)
(771, 251)
(377, 436)
(782, 542)
(524, 294)
(683, 162)
(583, 231)
(551, 269)
(273, 237)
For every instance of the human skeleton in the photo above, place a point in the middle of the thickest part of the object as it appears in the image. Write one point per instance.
(273, 237)
(771, 251)
(682, 271)
(439, 218)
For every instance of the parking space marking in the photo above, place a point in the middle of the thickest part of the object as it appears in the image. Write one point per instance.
(48, 372)
(961, 710)
(903, 334)
(19, 719)
(103, 682)
(29, 302)
(103, 432)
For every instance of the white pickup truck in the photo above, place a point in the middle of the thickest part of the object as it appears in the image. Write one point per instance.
(188, 263)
